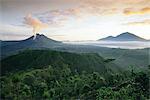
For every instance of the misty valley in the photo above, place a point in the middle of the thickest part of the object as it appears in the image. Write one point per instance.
(40, 68)
(114, 44)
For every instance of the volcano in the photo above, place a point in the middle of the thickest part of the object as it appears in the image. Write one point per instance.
(39, 41)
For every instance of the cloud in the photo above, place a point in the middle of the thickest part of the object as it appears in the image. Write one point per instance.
(79, 9)
(142, 11)
(57, 17)
(93, 7)
(13, 32)
(35, 23)
(144, 22)
(107, 7)
(93, 10)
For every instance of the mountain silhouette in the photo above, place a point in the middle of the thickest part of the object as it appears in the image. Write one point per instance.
(39, 41)
(123, 37)
(40, 38)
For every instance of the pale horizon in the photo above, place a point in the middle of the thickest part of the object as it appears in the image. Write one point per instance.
(23, 37)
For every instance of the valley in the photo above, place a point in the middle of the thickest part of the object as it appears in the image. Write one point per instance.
(42, 68)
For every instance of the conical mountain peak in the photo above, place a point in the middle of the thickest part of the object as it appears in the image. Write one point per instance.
(127, 36)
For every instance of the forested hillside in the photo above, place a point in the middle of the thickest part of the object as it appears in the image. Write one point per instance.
(32, 59)
(124, 57)
(53, 75)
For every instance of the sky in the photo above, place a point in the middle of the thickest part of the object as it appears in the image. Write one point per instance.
(73, 20)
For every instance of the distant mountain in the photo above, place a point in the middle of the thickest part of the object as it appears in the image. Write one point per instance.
(38, 38)
(123, 37)
(34, 42)
(41, 38)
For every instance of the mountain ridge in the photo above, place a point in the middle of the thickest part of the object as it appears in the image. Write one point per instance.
(37, 37)
(126, 36)
(39, 59)
(40, 37)
(38, 41)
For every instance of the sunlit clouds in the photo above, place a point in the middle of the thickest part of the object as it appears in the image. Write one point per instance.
(78, 19)
(145, 10)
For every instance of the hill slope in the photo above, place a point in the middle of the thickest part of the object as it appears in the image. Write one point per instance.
(124, 57)
(43, 58)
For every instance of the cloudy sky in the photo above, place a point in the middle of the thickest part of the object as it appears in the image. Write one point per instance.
(73, 19)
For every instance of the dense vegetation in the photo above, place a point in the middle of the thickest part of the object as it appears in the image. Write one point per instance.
(135, 57)
(50, 78)
(33, 59)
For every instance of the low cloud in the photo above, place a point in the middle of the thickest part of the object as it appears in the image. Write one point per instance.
(107, 7)
(144, 22)
(142, 11)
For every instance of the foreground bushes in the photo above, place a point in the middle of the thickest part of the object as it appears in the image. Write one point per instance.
(61, 83)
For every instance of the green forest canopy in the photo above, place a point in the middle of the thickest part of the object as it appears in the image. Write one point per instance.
(54, 75)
